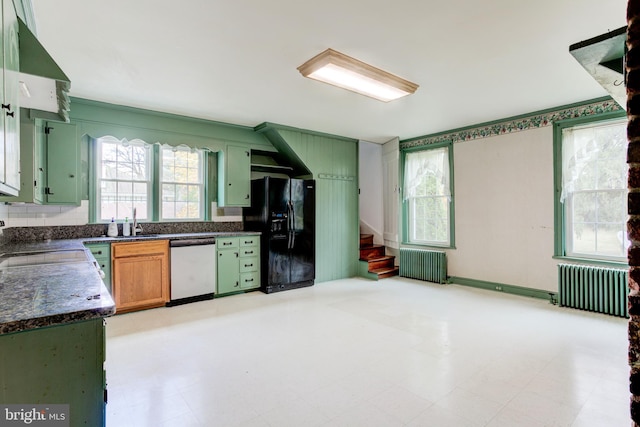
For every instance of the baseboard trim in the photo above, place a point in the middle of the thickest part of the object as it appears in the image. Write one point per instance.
(502, 287)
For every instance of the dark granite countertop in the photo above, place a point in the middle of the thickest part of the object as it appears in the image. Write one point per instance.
(51, 294)
(54, 294)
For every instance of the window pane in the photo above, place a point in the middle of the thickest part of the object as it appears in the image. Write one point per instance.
(584, 238)
(429, 219)
(168, 209)
(193, 175)
(610, 239)
(180, 174)
(182, 184)
(168, 193)
(594, 189)
(123, 178)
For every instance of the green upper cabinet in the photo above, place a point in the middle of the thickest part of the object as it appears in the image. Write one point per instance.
(63, 152)
(9, 124)
(234, 177)
(49, 163)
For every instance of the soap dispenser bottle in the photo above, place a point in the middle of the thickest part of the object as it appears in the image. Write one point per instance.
(112, 231)
(126, 230)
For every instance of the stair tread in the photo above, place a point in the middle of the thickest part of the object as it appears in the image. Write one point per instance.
(380, 258)
(365, 236)
(374, 246)
(384, 270)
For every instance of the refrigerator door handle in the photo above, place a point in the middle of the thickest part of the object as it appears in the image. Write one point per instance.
(289, 225)
(293, 226)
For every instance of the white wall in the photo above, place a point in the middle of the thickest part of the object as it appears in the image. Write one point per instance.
(370, 182)
(504, 210)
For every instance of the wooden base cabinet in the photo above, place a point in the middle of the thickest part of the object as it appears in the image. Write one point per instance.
(140, 275)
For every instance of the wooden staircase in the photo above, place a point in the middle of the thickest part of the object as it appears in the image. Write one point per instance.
(379, 264)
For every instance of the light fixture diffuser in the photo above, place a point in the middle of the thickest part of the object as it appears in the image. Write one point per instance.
(340, 70)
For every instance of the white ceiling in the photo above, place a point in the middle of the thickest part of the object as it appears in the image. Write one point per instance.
(235, 61)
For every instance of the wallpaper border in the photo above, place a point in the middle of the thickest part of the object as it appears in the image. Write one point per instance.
(511, 125)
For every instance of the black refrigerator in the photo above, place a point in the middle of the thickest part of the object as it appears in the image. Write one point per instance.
(284, 211)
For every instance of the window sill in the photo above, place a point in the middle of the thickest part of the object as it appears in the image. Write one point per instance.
(604, 263)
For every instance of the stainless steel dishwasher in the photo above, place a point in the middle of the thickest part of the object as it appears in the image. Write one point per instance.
(193, 270)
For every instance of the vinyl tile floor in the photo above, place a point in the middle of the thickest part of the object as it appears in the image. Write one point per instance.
(355, 352)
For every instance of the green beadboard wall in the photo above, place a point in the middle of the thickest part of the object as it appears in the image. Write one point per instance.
(333, 161)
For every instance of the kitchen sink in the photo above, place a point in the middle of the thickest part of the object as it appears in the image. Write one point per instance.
(139, 236)
(55, 256)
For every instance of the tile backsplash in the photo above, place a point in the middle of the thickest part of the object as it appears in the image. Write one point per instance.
(32, 215)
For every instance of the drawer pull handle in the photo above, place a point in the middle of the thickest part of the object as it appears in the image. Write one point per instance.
(249, 280)
(226, 243)
(248, 265)
(99, 253)
(248, 252)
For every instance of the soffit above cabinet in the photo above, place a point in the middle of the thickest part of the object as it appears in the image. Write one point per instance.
(603, 58)
(44, 86)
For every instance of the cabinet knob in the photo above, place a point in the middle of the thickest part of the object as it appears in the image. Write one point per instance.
(71, 175)
(229, 184)
(247, 196)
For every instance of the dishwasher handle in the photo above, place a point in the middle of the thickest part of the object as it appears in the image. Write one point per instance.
(192, 242)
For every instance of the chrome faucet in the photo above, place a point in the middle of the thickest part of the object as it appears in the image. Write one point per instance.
(137, 228)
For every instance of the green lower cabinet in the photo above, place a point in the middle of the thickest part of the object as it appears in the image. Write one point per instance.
(57, 365)
(238, 263)
(249, 262)
(102, 253)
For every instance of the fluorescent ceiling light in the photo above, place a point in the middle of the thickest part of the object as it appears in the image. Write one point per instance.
(348, 73)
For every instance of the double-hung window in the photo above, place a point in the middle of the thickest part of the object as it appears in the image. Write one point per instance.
(159, 182)
(593, 190)
(427, 196)
(182, 183)
(123, 176)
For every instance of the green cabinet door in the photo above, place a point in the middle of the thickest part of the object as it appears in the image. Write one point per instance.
(63, 150)
(249, 262)
(102, 253)
(228, 264)
(57, 365)
(234, 177)
(10, 111)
